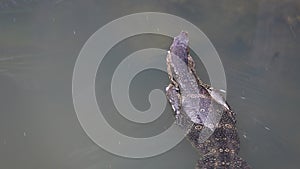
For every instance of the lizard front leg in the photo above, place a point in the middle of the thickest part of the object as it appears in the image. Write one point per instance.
(173, 97)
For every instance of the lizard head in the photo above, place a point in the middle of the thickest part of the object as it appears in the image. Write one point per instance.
(179, 46)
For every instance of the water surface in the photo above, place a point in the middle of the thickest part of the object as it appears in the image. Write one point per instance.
(258, 42)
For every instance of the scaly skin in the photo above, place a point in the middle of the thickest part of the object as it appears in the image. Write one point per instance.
(198, 107)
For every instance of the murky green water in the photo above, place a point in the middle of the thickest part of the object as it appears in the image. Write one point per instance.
(258, 42)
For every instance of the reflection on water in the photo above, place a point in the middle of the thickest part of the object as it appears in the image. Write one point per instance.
(258, 42)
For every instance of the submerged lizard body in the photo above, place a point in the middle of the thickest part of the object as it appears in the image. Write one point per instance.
(197, 107)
